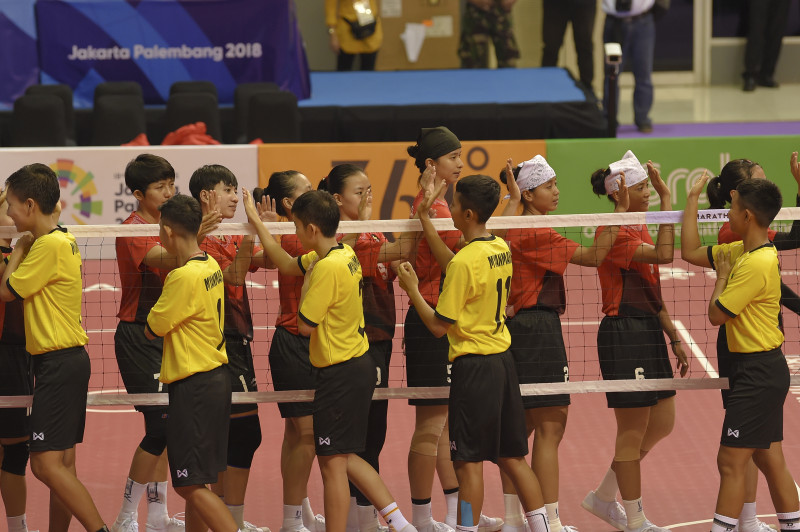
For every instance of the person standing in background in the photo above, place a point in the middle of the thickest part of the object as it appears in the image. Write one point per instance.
(766, 26)
(631, 24)
(484, 20)
(354, 29)
(556, 15)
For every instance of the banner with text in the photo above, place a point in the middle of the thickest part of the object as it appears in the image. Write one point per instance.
(156, 42)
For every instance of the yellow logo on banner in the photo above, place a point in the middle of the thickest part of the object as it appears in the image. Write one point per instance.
(80, 186)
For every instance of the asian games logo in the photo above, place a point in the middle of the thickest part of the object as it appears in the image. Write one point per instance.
(80, 186)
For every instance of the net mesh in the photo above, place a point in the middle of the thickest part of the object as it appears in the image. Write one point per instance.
(685, 291)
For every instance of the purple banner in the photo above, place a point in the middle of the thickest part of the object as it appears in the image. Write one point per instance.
(19, 66)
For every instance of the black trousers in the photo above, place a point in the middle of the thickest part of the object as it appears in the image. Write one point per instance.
(556, 15)
(767, 24)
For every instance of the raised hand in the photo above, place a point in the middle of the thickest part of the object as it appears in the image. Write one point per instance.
(249, 206)
(428, 176)
(623, 198)
(267, 211)
(698, 186)
(365, 205)
(655, 179)
(514, 192)
(794, 166)
(407, 277)
(209, 223)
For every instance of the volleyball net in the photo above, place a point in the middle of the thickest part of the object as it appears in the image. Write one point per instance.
(685, 291)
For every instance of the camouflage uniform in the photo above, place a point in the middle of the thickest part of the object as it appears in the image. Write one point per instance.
(477, 28)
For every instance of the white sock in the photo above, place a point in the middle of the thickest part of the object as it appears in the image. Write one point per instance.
(131, 497)
(451, 500)
(17, 524)
(309, 519)
(514, 515)
(789, 521)
(635, 512)
(607, 490)
(722, 523)
(292, 516)
(352, 516)
(238, 514)
(553, 517)
(394, 517)
(462, 528)
(537, 520)
(421, 513)
(157, 514)
(367, 518)
(747, 519)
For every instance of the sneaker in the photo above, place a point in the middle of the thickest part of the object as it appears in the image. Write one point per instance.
(129, 523)
(509, 528)
(434, 526)
(611, 512)
(568, 528)
(647, 527)
(761, 526)
(382, 528)
(301, 529)
(318, 525)
(489, 524)
(174, 524)
(410, 528)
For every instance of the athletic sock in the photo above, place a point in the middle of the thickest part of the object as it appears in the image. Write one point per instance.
(789, 522)
(722, 523)
(462, 528)
(352, 516)
(238, 514)
(451, 500)
(420, 512)
(537, 520)
(394, 517)
(552, 516)
(367, 518)
(131, 497)
(309, 519)
(157, 515)
(292, 517)
(607, 490)
(17, 524)
(513, 515)
(635, 513)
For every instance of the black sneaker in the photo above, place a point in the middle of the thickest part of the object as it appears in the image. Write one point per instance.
(749, 84)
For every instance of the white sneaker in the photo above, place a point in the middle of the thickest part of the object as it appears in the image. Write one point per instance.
(647, 527)
(761, 526)
(433, 526)
(568, 528)
(489, 524)
(129, 523)
(509, 528)
(612, 512)
(411, 528)
(382, 528)
(318, 525)
(301, 529)
(250, 527)
(174, 524)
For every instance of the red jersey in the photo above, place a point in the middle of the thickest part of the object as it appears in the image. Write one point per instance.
(726, 235)
(429, 272)
(290, 286)
(629, 288)
(380, 313)
(539, 257)
(238, 320)
(141, 285)
(12, 321)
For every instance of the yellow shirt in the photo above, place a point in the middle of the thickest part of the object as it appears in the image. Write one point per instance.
(333, 306)
(751, 298)
(474, 298)
(49, 283)
(190, 316)
(336, 11)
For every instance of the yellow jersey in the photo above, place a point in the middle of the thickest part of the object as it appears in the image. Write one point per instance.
(191, 318)
(48, 281)
(474, 298)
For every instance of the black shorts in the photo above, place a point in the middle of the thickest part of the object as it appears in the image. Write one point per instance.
(487, 419)
(759, 383)
(427, 358)
(241, 371)
(58, 414)
(291, 369)
(537, 344)
(139, 362)
(197, 427)
(17, 379)
(723, 361)
(632, 348)
(341, 406)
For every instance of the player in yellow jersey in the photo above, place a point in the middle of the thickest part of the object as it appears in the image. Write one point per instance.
(44, 271)
(487, 418)
(331, 313)
(189, 316)
(746, 298)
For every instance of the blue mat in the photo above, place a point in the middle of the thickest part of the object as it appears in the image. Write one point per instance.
(446, 87)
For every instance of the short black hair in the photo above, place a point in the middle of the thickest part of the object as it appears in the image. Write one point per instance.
(207, 177)
(762, 197)
(38, 182)
(182, 213)
(145, 170)
(317, 207)
(479, 193)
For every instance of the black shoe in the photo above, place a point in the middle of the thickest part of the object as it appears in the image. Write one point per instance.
(645, 128)
(749, 84)
(768, 82)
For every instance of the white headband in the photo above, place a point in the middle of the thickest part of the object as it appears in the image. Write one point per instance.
(534, 172)
(634, 172)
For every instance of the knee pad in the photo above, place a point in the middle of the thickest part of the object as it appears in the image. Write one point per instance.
(15, 458)
(425, 440)
(155, 437)
(244, 437)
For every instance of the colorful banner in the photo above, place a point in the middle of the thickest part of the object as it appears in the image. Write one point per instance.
(19, 65)
(156, 42)
(391, 171)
